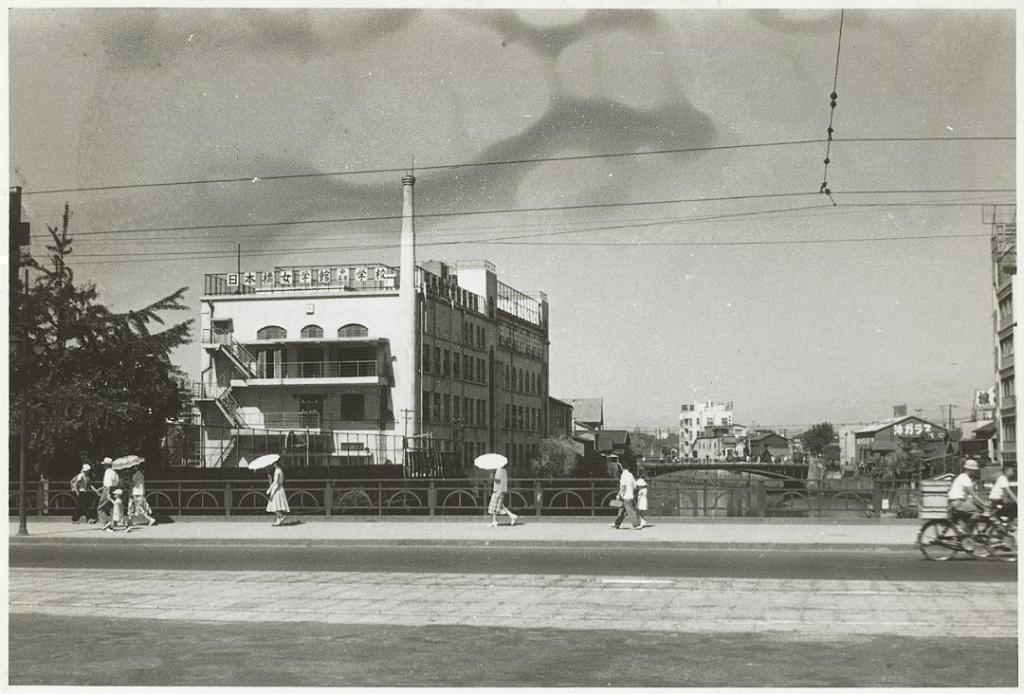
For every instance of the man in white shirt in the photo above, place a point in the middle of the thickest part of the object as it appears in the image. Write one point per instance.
(963, 499)
(1003, 495)
(627, 490)
(111, 480)
(497, 505)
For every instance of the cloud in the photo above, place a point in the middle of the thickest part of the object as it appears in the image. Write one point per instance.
(552, 40)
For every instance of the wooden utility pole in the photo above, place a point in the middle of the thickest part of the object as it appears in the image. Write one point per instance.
(18, 236)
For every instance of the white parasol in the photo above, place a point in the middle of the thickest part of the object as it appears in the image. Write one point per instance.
(490, 461)
(127, 461)
(264, 461)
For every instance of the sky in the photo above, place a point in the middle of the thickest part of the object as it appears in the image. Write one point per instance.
(690, 254)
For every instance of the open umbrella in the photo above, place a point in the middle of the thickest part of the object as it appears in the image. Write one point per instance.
(490, 461)
(127, 461)
(264, 461)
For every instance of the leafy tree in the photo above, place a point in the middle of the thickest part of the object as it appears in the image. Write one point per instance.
(94, 382)
(557, 458)
(817, 437)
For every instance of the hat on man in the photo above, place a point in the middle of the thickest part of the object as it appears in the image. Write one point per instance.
(970, 464)
(107, 461)
(86, 467)
(118, 492)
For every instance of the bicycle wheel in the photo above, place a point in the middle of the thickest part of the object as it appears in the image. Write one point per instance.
(1002, 542)
(937, 540)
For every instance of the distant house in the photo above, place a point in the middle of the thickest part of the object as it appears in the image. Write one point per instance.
(588, 412)
(560, 417)
(719, 443)
(613, 446)
(765, 446)
(900, 437)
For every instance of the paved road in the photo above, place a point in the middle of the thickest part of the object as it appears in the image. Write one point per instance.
(608, 561)
(58, 650)
(505, 616)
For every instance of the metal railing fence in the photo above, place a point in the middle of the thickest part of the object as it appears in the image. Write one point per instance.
(246, 495)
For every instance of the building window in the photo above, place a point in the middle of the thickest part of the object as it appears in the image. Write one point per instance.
(271, 332)
(456, 409)
(456, 369)
(426, 407)
(481, 414)
(426, 360)
(311, 410)
(353, 330)
(353, 407)
(506, 415)
(446, 363)
(437, 361)
(312, 332)
(446, 408)
(437, 408)
(506, 376)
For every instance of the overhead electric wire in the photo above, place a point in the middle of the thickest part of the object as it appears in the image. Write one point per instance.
(583, 225)
(255, 178)
(573, 244)
(518, 210)
(165, 256)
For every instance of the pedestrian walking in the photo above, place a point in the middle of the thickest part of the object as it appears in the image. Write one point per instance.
(111, 480)
(627, 492)
(641, 498)
(117, 515)
(80, 485)
(277, 502)
(499, 490)
(137, 505)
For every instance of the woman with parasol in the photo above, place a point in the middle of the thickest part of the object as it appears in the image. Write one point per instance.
(277, 501)
(497, 462)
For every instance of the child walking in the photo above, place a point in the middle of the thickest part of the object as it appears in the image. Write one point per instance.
(117, 515)
(641, 499)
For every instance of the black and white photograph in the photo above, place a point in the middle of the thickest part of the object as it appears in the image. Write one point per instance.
(498, 346)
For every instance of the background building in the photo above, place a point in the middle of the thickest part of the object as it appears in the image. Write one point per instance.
(695, 416)
(338, 363)
(1003, 220)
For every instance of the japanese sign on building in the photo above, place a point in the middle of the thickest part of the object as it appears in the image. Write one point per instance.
(920, 430)
(313, 277)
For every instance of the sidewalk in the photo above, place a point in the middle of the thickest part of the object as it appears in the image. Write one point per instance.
(473, 531)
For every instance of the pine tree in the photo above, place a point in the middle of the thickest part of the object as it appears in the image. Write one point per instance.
(96, 382)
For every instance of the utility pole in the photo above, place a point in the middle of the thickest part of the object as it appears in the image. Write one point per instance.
(18, 236)
(951, 406)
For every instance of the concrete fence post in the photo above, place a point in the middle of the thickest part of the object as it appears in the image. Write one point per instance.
(431, 497)
(328, 498)
(228, 499)
(538, 496)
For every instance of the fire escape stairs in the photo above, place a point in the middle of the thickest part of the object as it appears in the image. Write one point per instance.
(240, 358)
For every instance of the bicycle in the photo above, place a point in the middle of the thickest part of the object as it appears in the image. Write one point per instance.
(940, 539)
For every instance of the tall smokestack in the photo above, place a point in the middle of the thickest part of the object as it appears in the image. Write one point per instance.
(407, 391)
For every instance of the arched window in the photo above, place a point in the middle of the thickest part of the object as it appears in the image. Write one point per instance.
(271, 332)
(312, 331)
(353, 330)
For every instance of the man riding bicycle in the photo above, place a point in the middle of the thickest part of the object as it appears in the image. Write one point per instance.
(965, 506)
(1003, 495)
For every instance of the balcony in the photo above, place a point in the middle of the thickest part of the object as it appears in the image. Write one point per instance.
(1005, 321)
(319, 372)
(1005, 361)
